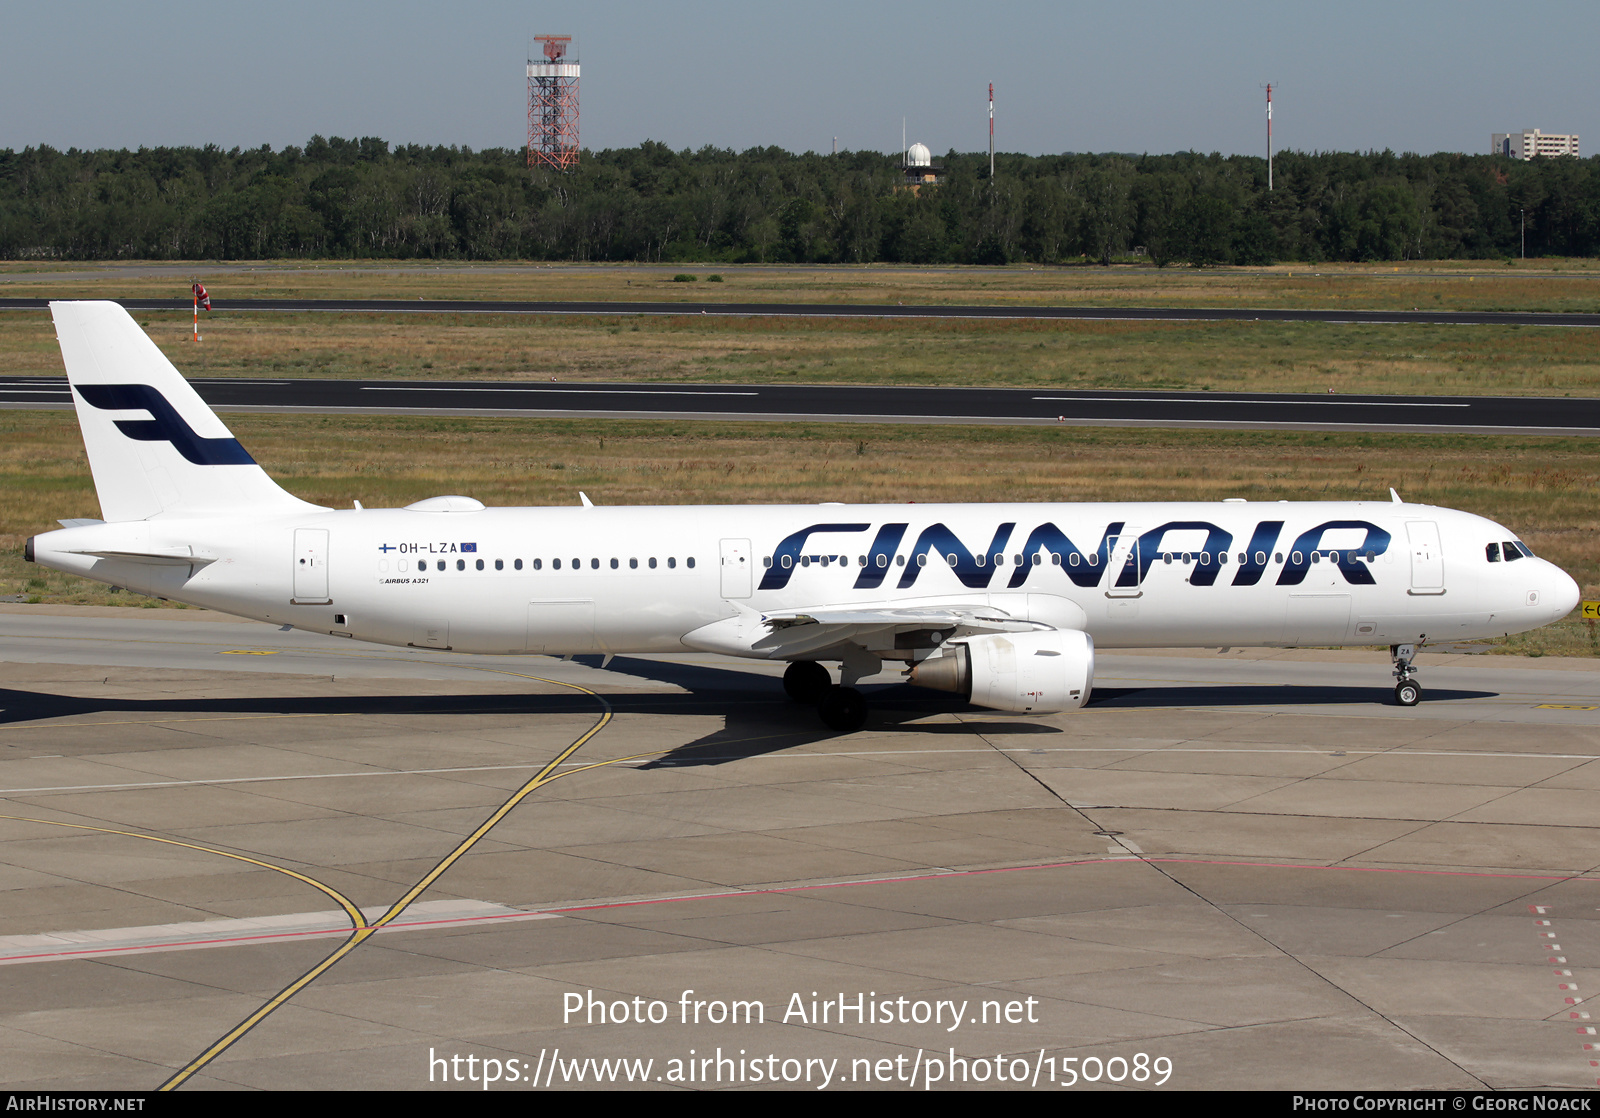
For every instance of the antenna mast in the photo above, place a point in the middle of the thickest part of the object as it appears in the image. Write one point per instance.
(1269, 137)
(991, 131)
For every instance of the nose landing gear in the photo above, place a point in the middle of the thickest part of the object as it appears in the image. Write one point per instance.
(1407, 692)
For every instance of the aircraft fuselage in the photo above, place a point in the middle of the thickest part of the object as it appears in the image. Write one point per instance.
(573, 580)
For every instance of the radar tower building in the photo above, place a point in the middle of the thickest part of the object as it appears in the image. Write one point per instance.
(920, 169)
(553, 104)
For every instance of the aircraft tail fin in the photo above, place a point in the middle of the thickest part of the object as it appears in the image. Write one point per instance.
(154, 445)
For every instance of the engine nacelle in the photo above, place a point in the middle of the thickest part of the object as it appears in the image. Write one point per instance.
(1034, 673)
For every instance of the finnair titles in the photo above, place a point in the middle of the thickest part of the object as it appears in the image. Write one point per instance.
(1003, 604)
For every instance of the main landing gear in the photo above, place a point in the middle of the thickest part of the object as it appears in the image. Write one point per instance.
(1407, 692)
(841, 708)
(806, 681)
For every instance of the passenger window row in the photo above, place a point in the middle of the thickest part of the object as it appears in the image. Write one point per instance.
(1075, 558)
(881, 560)
(1296, 557)
(538, 564)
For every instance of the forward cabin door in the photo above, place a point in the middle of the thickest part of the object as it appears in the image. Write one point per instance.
(1427, 557)
(311, 566)
(736, 568)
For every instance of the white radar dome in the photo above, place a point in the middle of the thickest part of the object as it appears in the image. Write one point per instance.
(918, 155)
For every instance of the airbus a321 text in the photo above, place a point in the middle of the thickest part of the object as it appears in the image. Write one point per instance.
(1003, 604)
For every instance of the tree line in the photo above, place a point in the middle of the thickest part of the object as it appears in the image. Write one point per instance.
(360, 198)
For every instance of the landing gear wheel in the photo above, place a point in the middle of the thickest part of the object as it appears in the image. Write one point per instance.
(843, 709)
(806, 681)
(1407, 693)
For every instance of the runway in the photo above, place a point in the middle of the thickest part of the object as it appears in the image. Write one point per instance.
(850, 310)
(1248, 866)
(871, 404)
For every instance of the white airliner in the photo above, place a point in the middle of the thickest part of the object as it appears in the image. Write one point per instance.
(1001, 603)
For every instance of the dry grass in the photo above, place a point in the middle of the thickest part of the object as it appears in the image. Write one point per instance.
(1551, 285)
(1222, 356)
(1541, 488)
(1249, 356)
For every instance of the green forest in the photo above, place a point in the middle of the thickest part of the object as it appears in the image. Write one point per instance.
(360, 198)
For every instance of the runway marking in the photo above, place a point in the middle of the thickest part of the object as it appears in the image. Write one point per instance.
(250, 652)
(1213, 400)
(344, 902)
(917, 417)
(581, 391)
(1399, 752)
(1568, 990)
(46, 723)
(290, 927)
(1562, 706)
(1123, 859)
(365, 929)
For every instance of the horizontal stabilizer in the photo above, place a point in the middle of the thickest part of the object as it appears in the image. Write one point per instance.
(176, 556)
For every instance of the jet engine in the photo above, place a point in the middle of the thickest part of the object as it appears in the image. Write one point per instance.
(1034, 673)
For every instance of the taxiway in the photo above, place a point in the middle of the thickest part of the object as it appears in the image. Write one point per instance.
(1245, 862)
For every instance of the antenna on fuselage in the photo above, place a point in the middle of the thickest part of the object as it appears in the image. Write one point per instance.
(588, 504)
(1395, 497)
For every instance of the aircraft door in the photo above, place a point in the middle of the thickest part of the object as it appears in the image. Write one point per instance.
(310, 566)
(430, 633)
(1122, 566)
(736, 568)
(1427, 557)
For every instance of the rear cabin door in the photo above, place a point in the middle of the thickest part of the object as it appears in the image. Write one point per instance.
(311, 566)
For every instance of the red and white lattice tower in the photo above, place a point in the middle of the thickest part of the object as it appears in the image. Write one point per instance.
(553, 105)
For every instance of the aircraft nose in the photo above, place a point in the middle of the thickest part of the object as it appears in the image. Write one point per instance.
(1563, 594)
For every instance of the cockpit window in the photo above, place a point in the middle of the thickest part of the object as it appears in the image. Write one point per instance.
(1511, 551)
(1524, 548)
(1492, 553)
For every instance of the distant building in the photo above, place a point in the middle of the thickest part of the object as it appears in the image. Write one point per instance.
(1531, 142)
(920, 168)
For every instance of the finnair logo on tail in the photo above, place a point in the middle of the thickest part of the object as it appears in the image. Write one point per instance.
(164, 426)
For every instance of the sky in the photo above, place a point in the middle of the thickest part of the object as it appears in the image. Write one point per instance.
(1131, 76)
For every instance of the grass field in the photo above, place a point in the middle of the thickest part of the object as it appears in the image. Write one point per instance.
(1541, 488)
(1547, 285)
(1219, 356)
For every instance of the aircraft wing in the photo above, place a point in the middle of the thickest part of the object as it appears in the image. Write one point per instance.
(800, 633)
(921, 618)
